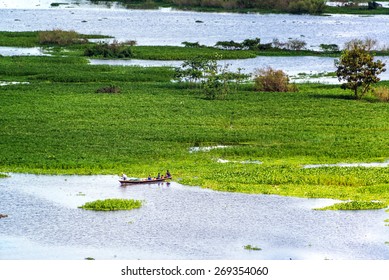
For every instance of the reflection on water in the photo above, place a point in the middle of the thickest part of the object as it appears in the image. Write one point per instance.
(176, 222)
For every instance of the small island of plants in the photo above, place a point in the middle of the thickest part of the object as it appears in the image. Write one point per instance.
(112, 204)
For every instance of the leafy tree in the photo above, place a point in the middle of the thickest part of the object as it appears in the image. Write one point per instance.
(357, 67)
(216, 81)
(191, 70)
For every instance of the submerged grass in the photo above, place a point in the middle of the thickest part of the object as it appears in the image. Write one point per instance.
(59, 124)
(252, 248)
(112, 204)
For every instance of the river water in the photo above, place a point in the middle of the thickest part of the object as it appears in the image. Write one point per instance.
(170, 27)
(176, 222)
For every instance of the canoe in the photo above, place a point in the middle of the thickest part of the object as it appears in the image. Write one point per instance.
(143, 181)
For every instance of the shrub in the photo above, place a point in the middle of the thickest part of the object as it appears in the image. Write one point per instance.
(113, 50)
(381, 93)
(291, 44)
(60, 37)
(307, 6)
(272, 80)
(295, 44)
(329, 48)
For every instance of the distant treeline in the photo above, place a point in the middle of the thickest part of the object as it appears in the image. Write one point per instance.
(289, 6)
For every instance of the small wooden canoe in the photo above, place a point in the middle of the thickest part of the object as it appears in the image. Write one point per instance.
(143, 180)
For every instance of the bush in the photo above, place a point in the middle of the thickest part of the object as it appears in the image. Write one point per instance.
(329, 48)
(307, 6)
(381, 93)
(272, 80)
(113, 50)
(60, 37)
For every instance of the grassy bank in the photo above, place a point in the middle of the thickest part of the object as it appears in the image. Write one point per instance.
(60, 123)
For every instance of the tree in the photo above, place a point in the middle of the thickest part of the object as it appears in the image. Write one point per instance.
(215, 81)
(357, 67)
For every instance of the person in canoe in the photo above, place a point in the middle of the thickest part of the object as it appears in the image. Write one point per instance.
(149, 178)
(159, 176)
(124, 177)
(168, 175)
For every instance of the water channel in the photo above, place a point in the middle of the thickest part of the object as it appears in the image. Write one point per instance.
(176, 222)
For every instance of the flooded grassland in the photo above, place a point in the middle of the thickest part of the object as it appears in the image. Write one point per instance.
(55, 120)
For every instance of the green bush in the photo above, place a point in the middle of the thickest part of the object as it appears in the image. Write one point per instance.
(113, 50)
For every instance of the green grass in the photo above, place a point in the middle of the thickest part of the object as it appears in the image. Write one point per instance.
(31, 38)
(112, 204)
(59, 124)
(355, 205)
(184, 53)
(356, 11)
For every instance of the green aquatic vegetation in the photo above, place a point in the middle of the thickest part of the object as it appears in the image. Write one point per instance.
(252, 248)
(112, 204)
(355, 205)
(59, 124)
(185, 53)
(32, 38)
